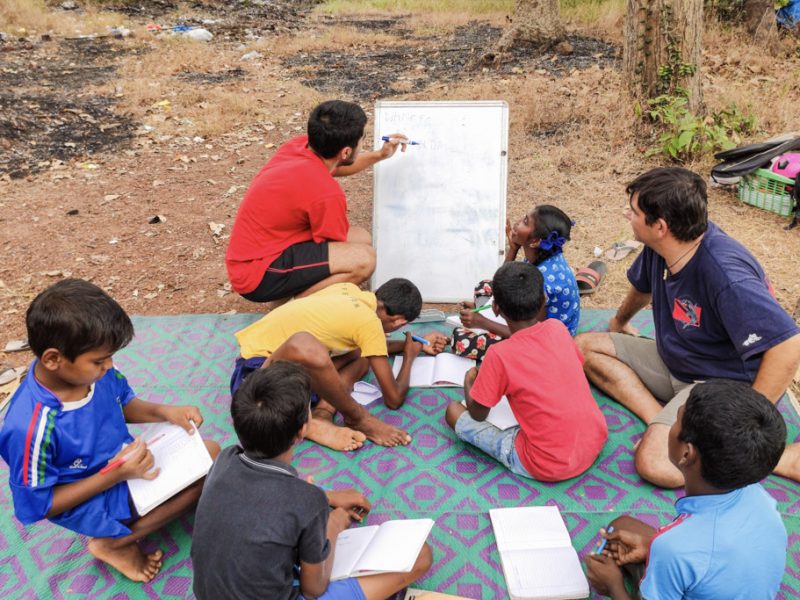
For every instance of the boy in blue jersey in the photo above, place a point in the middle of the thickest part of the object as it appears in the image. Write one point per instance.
(728, 540)
(68, 420)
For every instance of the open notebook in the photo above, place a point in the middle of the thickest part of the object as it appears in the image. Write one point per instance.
(442, 370)
(391, 547)
(182, 458)
(537, 554)
(500, 415)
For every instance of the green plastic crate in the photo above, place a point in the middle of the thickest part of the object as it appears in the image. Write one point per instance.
(767, 190)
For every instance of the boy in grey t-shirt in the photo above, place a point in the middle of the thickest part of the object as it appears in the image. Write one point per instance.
(259, 528)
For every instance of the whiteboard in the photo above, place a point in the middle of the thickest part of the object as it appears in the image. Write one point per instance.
(439, 208)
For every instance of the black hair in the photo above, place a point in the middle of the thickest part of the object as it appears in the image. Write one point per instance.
(270, 408)
(549, 219)
(400, 297)
(518, 289)
(334, 125)
(739, 434)
(75, 316)
(676, 195)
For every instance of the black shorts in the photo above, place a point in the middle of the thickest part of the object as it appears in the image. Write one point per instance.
(298, 268)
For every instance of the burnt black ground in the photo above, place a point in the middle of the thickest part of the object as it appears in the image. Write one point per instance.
(52, 109)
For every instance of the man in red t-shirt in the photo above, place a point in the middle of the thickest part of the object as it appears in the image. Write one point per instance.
(539, 369)
(291, 236)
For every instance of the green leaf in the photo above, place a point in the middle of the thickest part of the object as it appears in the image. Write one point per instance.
(685, 138)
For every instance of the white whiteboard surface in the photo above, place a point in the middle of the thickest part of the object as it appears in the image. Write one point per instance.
(439, 209)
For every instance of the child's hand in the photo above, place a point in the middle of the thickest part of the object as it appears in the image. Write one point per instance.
(353, 501)
(182, 415)
(437, 343)
(604, 575)
(139, 462)
(471, 320)
(470, 377)
(338, 521)
(510, 236)
(411, 349)
(626, 547)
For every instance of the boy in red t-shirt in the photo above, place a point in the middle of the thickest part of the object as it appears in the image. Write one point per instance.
(540, 370)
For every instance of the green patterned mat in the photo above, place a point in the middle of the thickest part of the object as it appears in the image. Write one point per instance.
(188, 359)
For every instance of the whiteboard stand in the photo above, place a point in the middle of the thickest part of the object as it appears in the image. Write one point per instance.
(439, 209)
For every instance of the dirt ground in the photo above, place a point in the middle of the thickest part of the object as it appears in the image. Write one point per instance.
(123, 161)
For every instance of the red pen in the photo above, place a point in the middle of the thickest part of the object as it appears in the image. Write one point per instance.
(113, 465)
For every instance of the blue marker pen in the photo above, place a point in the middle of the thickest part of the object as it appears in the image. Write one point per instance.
(387, 138)
(421, 340)
(602, 545)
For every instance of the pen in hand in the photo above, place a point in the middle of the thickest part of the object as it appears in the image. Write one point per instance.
(421, 340)
(123, 459)
(388, 138)
(602, 545)
(481, 308)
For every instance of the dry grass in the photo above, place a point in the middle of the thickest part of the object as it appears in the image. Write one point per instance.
(472, 7)
(338, 37)
(154, 91)
(24, 16)
(599, 15)
(764, 82)
(596, 15)
(432, 24)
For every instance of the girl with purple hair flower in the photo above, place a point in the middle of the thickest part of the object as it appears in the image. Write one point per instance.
(541, 235)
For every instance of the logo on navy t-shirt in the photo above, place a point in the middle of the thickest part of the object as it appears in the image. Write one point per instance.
(78, 464)
(686, 312)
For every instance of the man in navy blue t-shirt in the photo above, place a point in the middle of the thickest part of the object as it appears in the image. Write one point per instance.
(715, 317)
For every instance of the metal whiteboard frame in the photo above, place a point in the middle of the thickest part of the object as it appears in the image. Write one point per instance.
(502, 183)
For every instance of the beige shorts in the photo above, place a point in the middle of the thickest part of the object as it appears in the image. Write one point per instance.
(641, 355)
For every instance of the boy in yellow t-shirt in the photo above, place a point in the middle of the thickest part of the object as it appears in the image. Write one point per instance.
(337, 334)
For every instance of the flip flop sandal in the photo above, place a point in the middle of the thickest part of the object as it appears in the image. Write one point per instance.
(16, 346)
(621, 249)
(9, 373)
(589, 278)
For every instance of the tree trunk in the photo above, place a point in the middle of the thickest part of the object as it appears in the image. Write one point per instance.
(663, 39)
(536, 23)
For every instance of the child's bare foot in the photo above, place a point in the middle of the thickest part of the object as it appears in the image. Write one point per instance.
(379, 432)
(324, 432)
(323, 410)
(128, 560)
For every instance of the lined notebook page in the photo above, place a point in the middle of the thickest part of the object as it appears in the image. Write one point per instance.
(182, 458)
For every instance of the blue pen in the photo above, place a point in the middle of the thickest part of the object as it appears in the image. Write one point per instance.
(602, 545)
(388, 138)
(422, 341)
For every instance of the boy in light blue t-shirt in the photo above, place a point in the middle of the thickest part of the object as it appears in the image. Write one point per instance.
(728, 540)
